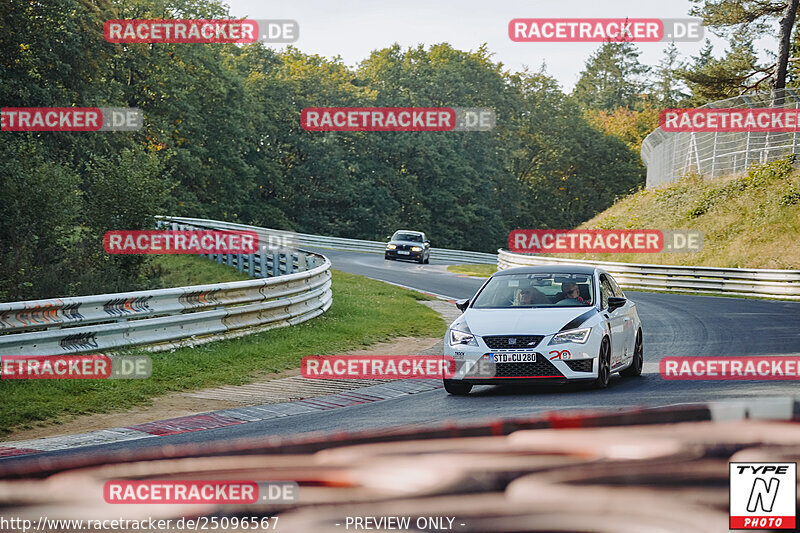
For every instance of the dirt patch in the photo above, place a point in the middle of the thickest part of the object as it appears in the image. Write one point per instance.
(181, 404)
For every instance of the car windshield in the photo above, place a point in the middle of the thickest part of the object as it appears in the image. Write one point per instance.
(411, 237)
(536, 290)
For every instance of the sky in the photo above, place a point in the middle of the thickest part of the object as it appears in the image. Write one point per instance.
(353, 28)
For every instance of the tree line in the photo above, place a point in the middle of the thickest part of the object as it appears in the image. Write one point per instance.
(222, 139)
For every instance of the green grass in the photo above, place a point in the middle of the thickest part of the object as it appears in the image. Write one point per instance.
(364, 312)
(182, 270)
(481, 271)
(751, 221)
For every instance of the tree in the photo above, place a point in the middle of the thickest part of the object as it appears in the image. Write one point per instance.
(667, 89)
(711, 79)
(629, 125)
(756, 16)
(613, 77)
(568, 169)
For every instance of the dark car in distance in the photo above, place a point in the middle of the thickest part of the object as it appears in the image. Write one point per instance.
(407, 244)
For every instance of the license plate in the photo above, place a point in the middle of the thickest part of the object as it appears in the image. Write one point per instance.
(404, 253)
(512, 357)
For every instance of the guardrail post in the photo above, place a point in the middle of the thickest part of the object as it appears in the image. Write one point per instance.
(240, 262)
(747, 151)
(302, 266)
(251, 265)
(276, 264)
(714, 156)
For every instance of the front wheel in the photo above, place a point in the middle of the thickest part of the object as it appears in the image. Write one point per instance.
(457, 388)
(638, 359)
(603, 365)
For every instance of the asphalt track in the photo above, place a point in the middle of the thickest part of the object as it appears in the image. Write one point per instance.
(674, 325)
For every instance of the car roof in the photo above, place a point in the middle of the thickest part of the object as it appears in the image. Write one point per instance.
(543, 269)
(408, 231)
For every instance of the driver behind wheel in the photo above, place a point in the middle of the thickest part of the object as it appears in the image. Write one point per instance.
(569, 290)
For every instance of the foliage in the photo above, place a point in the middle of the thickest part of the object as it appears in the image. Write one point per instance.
(613, 78)
(629, 125)
(222, 139)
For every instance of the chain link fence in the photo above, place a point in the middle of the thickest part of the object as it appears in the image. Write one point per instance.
(670, 155)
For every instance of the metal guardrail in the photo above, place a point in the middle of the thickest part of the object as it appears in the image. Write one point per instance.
(670, 155)
(761, 283)
(338, 243)
(291, 289)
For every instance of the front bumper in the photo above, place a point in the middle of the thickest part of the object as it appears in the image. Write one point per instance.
(396, 254)
(474, 364)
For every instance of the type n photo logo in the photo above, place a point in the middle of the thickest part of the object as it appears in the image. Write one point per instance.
(763, 495)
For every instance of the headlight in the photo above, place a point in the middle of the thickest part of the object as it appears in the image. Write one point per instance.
(461, 337)
(391, 246)
(416, 249)
(579, 336)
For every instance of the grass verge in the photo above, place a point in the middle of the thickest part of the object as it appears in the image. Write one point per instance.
(183, 270)
(752, 221)
(479, 271)
(364, 312)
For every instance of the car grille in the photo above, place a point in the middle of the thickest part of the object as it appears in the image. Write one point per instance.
(583, 365)
(520, 342)
(540, 369)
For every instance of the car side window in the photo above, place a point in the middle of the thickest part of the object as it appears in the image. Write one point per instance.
(617, 290)
(605, 291)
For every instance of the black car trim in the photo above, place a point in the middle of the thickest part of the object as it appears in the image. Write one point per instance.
(578, 320)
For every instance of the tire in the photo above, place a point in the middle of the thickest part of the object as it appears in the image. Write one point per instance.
(457, 388)
(603, 365)
(638, 359)
(387, 257)
(428, 260)
(421, 259)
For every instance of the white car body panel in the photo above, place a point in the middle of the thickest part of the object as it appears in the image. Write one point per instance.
(620, 326)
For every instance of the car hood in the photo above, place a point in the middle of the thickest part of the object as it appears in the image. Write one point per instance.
(547, 321)
(410, 243)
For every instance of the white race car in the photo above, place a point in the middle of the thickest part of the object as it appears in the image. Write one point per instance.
(549, 323)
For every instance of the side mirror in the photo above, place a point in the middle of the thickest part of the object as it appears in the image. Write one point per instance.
(615, 302)
(427, 241)
(462, 304)
(388, 237)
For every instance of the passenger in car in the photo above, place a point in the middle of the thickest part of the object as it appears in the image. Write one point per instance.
(532, 295)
